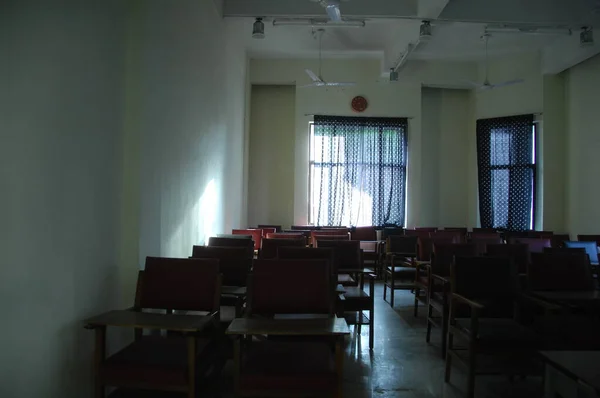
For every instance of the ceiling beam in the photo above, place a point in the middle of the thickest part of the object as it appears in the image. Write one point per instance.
(540, 12)
(431, 9)
(566, 53)
(309, 9)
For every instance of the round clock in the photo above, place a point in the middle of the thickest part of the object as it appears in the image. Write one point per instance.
(359, 104)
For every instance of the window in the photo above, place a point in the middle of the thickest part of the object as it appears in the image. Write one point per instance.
(506, 167)
(357, 171)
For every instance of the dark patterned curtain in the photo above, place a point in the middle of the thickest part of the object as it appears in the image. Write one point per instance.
(506, 166)
(358, 171)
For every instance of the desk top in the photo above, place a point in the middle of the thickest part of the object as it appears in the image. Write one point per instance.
(581, 365)
(566, 296)
(233, 290)
(289, 327)
(148, 320)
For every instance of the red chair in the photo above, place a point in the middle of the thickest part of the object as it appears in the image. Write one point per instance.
(263, 226)
(314, 235)
(285, 235)
(268, 230)
(256, 235)
(270, 246)
(174, 362)
(231, 242)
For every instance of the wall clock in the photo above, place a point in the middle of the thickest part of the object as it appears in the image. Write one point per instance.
(359, 104)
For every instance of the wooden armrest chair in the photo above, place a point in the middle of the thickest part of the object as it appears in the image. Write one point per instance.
(348, 256)
(457, 236)
(278, 228)
(317, 237)
(270, 246)
(436, 283)
(289, 365)
(235, 264)
(535, 245)
(400, 268)
(256, 235)
(363, 233)
(518, 252)
(286, 235)
(487, 288)
(267, 230)
(481, 241)
(175, 362)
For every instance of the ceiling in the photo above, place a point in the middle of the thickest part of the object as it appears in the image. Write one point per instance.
(392, 24)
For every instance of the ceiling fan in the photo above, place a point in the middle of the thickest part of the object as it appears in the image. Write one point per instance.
(332, 7)
(486, 85)
(317, 79)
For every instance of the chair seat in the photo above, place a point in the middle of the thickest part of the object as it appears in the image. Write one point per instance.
(297, 366)
(403, 272)
(498, 331)
(151, 361)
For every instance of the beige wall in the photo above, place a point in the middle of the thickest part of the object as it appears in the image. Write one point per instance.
(271, 155)
(583, 148)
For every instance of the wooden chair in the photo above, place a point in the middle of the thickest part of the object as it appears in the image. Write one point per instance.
(268, 230)
(174, 363)
(488, 288)
(389, 231)
(519, 253)
(286, 235)
(567, 270)
(540, 234)
(311, 253)
(462, 230)
(256, 235)
(426, 229)
(558, 240)
(481, 241)
(278, 228)
(484, 230)
(437, 286)
(457, 236)
(231, 242)
(417, 232)
(319, 236)
(535, 245)
(304, 227)
(270, 246)
(400, 264)
(314, 235)
(294, 365)
(349, 260)
(234, 264)
(363, 233)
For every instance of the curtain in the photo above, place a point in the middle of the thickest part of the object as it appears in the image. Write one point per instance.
(358, 171)
(506, 168)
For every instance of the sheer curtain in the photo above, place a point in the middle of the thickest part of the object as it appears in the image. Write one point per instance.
(506, 167)
(358, 171)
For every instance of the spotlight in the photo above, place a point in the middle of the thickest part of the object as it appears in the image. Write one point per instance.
(586, 37)
(393, 75)
(258, 29)
(425, 31)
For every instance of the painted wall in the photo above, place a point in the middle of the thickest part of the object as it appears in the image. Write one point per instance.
(583, 145)
(191, 95)
(61, 114)
(271, 156)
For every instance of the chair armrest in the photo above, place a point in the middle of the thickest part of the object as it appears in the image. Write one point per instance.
(473, 304)
(440, 278)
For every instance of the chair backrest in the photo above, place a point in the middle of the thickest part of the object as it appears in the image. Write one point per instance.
(389, 231)
(426, 244)
(402, 245)
(457, 235)
(444, 253)
(428, 229)
(234, 262)
(347, 253)
(304, 227)
(327, 232)
(230, 242)
(590, 248)
(255, 233)
(268, 230)
(559, 271)
(363, 233)
(286, 235)
(272, 289)
(518, 252)
(278, 228)
(540, 234)
(484, 277)
(417, 232)
(535, 245)
(558, 240)
(589, 238)
(483, 240)
(310, 253)
(270, 246)
(180, 284)
(484, 230)
(319, 237)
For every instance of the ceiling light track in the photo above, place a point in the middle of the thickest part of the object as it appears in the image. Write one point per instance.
(531, 30)
(318, 23)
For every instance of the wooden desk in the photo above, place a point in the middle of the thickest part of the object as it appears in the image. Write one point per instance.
(585, 298)
(289, 327)
(572, 374)
(148, 320)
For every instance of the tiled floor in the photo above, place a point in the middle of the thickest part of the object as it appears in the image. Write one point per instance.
(402, 364)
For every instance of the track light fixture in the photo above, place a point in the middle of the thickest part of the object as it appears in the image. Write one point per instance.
(258, 29)
(393, 75)
(425, 31)
(586, 37)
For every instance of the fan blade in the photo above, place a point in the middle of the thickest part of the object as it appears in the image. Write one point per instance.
(340, 84)
(334, 13)
(315, 84)
(313, 76)
(508, 83)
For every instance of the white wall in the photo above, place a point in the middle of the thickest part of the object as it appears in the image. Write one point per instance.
(271, 155)
(61, 113)
(191, 92)
(583, 146)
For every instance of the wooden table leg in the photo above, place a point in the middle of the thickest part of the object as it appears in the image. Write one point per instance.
(191, 343)
(339, 365)
(99, 356)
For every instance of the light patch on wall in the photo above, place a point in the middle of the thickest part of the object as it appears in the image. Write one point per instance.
(207, 212)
